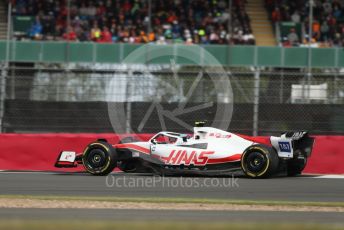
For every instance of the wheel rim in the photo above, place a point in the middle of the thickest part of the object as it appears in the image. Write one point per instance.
(96, 159)
(256, 162)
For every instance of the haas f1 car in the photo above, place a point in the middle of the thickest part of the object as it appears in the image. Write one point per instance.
(209, 151)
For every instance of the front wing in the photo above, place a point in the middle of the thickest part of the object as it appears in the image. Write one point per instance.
(68, 159)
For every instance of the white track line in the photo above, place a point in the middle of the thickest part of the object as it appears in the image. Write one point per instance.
(329, 177)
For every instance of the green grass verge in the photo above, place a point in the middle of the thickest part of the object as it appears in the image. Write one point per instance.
(145, 225)
(178, 200)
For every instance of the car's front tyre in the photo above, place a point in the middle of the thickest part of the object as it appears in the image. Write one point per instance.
(99, 158)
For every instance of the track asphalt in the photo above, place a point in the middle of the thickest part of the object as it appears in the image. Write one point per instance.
(171, 215)
(303, 188)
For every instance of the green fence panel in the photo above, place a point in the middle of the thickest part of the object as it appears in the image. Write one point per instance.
(26, 51)
(323, 57)
(127, 49)
(108, 53)
(54, 52)
(3, 50)
(269, 56)
(80, 52)
(241, 56)
(158, 54)
(340, 53)
(295, 57)
(219, 53)
(189, 55)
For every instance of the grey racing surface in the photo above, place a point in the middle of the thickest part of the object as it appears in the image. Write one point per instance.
(170, 215)
(303, 188)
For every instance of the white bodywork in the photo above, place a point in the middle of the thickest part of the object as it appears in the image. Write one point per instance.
(283, 146)
(208, 150)
(207, 146)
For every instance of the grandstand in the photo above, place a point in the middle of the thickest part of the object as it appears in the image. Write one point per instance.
(250, 22)
(163, 22)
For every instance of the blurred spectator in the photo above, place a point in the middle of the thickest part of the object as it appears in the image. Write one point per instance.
(36, 30)
(296, 17)
(70, 35)
(325, 29)
(95, 32)
(327, 6)
(276, 15)
(106, 36)
(316, 30)
(293, 38)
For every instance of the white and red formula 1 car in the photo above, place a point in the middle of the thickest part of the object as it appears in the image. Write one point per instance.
(209, 151)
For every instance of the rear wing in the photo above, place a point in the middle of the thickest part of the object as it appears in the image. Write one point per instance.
(301, 141)
(293, 144)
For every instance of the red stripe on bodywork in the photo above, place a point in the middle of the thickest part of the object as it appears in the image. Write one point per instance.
(232, 158)
(259, 140)
(134, 147)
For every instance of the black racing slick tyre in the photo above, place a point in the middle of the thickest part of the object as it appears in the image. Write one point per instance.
(259, 161)
(99, 158)
(296, 166)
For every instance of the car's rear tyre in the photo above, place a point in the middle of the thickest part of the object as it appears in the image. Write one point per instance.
(296, 166)
(99, 158)
(259, 161)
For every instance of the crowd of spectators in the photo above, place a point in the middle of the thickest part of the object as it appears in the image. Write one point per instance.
(328, 20)
(128, 21)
